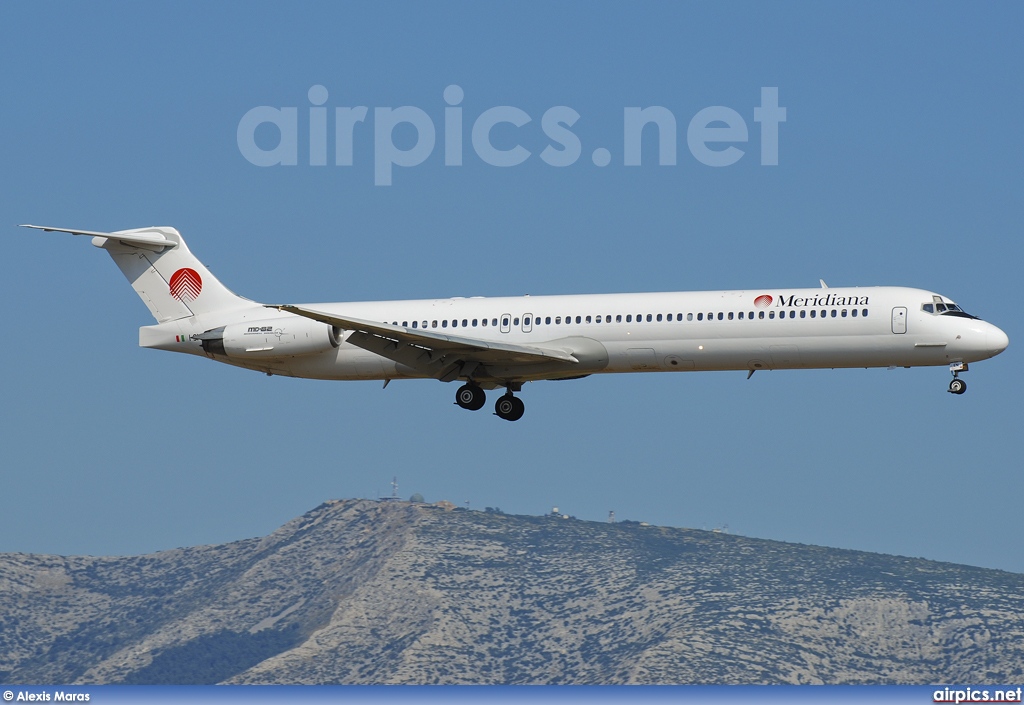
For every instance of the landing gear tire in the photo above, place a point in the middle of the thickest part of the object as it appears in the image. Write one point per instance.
(509, 407)
(957, 386)
(470, 396)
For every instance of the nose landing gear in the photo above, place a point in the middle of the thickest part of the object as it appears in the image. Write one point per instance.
(957, 386)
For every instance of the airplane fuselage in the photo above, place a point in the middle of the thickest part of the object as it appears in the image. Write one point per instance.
(679, 331)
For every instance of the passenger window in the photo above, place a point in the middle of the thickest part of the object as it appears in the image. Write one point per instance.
(833, 313)
(689, 316)
(588, 319)
(405, 324)
(414, 324)
(579, 319)
(771, 314)
(464, 322)
(813, 313)
(741, 315)
(607, 319)
(854, 313)
(649, 318)
(433, 324)
(618, 318)
(864, 312)
(844, 313)
(474, 322)
(444, 324)
(494, 321)
(730, 315)
(527, 321)
(484, 322)
(659, 318)
(515, 321)
(803, 313)
(792, 314)
(547, 320)
(760, 314)
(629, 318)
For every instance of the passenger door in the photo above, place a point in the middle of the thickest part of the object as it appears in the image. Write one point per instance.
(899, 319)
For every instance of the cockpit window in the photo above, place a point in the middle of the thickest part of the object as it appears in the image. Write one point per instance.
(944, 309)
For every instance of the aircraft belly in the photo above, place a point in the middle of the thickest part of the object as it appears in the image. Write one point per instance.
(781, 352)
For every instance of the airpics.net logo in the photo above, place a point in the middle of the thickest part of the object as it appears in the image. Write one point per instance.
(712, 134)
(186, 284)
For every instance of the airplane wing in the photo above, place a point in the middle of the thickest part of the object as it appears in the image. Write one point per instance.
(446, 357)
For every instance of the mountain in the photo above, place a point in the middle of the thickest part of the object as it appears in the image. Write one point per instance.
(358, 591)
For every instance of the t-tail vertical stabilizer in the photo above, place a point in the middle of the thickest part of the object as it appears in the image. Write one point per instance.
(168, 278)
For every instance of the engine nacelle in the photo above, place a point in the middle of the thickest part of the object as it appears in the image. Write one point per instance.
(277, 337)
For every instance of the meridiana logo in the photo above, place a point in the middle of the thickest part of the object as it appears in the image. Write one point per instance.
(186, 284)
(763, 301)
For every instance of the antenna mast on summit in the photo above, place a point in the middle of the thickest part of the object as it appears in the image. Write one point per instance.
(394, 491)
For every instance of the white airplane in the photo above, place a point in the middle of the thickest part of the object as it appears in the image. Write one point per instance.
(489, 343)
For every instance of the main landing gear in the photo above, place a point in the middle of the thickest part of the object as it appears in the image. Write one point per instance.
(957, 386)
(470, 397)
(508, 407)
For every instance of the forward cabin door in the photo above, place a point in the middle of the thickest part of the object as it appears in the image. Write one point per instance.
(899, 319)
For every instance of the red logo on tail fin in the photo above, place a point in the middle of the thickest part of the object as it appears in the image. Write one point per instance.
(186, 284)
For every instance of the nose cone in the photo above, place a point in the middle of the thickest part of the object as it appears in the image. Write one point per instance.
(997, 340)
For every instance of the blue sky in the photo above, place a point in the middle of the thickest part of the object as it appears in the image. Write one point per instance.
(898, 164)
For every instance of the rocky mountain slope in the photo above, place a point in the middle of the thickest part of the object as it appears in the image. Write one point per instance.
(358, 591)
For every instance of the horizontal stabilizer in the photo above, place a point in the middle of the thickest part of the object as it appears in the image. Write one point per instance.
(134, 238)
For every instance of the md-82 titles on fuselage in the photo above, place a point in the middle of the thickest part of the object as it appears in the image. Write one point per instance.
(490, 343)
